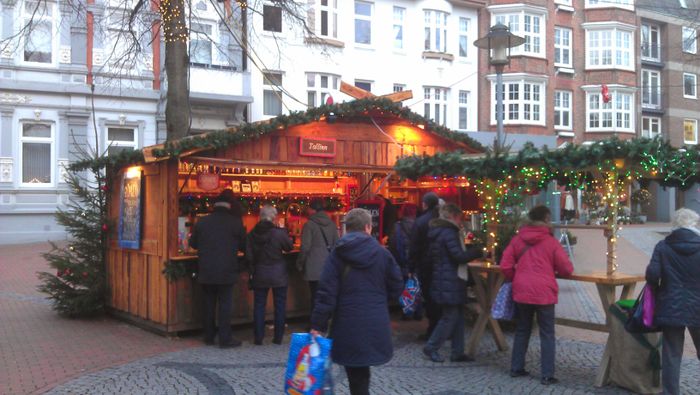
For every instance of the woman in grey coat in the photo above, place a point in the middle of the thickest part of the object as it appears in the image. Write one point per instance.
(318, 237)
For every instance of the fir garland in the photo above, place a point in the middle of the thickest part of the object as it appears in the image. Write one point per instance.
(355, 111)
(651, 158)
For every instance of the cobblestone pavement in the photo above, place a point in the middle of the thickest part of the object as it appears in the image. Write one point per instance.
(260, 370)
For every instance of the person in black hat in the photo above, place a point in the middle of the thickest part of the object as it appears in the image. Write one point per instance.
(217, 238)
(318, 237)
(419, 260)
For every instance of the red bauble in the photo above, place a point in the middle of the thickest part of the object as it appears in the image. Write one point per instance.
(59, 273)
(104, 187)
(104, 228)
(329, 100)
(470, 236)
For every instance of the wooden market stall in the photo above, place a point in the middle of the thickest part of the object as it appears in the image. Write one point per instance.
(342, 153)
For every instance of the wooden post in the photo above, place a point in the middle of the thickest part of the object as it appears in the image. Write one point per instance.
(611, 234)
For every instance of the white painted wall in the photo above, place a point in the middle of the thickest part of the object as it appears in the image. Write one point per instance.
(378, 62)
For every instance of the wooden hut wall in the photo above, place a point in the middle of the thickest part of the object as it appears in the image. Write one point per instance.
(136, 283)
(357, 144)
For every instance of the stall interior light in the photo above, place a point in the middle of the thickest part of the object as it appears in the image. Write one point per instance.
(133, 172)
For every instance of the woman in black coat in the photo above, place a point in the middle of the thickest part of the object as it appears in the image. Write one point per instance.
(675, 268)
(358, 279)
(446, 250)
(265, 249)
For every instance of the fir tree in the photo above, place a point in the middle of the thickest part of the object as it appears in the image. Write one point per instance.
(78, 288)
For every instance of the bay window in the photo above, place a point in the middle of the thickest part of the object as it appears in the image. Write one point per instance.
(617, 115)
(319, 86)
(435, 31)
(528, 22)
(523, 101)
(201, 43)
(36, 141)
(609, 46)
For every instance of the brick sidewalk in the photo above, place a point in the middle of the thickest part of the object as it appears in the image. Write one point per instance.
(39, 349)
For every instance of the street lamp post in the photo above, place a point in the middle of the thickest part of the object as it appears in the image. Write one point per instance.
(499, 41)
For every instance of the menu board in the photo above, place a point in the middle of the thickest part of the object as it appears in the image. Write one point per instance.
(376, 209)
(130, 211)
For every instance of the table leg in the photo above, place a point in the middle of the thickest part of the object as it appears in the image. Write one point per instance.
(495, 281)
(484, 313)
(607, 297)
(628, 291)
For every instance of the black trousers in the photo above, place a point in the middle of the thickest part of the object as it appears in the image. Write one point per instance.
(358, 379)
(432, 310)
(279, 296)
(221, 294)
(313, 287)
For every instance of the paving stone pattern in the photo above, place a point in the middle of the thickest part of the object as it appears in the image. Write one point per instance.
(260, 370)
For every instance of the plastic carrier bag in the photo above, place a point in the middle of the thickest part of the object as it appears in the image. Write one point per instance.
(503, 307)
(309, 365)
(409, 296)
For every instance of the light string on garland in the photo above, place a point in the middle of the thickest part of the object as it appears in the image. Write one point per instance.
(192, 204)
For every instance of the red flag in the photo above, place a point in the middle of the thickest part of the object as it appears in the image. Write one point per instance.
(606, 95)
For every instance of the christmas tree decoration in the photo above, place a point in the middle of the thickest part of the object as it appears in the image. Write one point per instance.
(84, 294)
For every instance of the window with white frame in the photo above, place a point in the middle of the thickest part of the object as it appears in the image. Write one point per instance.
(435, 104)
(690, 131)
(690, 40)
(564, 2)
(272, 18)
(36, 140)
(562, 47)
(523, 102)
(435, 31)
(327, 19)
(651, 42)
(528, 25)
(562, 110)
(614, 116)
(319, 87)
(463, 109)
(399, 14)
(609, 48)
(399, 87)
(362, 84)
(363, 22)
(651, 89)
(202, 40)
(272, 93)
(628, 4)
(39, 37)
(690, 85)
(120, 138)
(463, 37)
(651, 127)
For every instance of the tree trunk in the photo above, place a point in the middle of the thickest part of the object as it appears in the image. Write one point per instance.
(177, 111)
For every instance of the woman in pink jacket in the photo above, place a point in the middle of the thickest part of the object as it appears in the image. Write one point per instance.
(533, 260)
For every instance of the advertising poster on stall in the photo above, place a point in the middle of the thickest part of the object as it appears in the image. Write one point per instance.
(376, 209)
(130, 211)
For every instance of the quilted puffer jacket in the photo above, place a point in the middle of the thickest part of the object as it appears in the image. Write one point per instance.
(675, 265)
(446, 253)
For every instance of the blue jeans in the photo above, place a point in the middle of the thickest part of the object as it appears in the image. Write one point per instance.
(259, 301)
(545, 320)
(450, 325)
(672, 354)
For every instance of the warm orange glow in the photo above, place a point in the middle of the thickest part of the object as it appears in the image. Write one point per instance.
(406, 135)
(133, 172)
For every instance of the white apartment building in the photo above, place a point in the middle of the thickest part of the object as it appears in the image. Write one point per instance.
(381, 46)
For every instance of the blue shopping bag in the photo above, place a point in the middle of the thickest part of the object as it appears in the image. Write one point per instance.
(503, 307)
(409, 296)
(308, 366)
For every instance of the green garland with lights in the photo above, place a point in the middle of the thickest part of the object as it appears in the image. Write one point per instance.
(353, 111)
(644, 158)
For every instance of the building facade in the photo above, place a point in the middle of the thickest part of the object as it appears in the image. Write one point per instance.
(78, 80)
(380, 46)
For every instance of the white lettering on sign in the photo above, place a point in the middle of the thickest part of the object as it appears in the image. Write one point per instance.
(317, 146)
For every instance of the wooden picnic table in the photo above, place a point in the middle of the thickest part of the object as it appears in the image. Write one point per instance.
(488, 280)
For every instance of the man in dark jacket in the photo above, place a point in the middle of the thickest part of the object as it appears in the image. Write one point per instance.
(448, 290)
(265, 249)
(318, 237)
(358, 279)
(419, 260)
(218, 237)
(675, 269)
